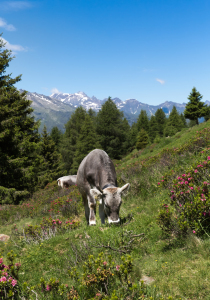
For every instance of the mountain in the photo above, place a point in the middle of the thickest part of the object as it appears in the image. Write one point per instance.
(56, 109)
(51, 112)
(131, 107)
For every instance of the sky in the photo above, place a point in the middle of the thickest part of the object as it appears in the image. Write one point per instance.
(150, 50)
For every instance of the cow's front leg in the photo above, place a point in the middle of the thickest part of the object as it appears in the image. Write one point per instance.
(92, 208)
(101, 212)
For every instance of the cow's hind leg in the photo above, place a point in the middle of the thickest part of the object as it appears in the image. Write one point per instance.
(87, 209)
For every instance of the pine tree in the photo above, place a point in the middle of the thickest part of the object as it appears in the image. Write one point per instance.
(161, 120)
(18, 137)
(153, 128)
(143, 121)
(142, 139)
(111, 129)
(195, 108)
(87, 141)
(50, 160)
(70, 137)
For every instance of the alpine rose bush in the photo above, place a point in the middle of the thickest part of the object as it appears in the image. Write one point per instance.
(189, 206)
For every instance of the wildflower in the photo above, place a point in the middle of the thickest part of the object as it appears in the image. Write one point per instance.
(196, 171)
(3, 279)
(191, 188)
(104, 263)
(193, 231)
(208, 157)
(180, 205)
(1, 260)
(117, 267)
(181, 193)
(14, 282)
(48, 288)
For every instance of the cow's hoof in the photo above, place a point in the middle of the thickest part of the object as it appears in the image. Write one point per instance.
(92, 223)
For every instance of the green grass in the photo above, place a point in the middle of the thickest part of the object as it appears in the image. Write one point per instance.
(179, 267)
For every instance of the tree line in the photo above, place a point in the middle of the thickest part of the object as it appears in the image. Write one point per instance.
(29, 160)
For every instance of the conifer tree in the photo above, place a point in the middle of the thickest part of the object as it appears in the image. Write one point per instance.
(111, 128)
(161, 120)
(56, 135)
(153, 128)
(18, 137)
(87, 141)
(195, 108)
(174, 123)
(142, 139)
(70, 137)
(50, 160)
(143, 121)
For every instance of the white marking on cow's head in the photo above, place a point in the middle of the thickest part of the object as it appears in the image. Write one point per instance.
(111, 198)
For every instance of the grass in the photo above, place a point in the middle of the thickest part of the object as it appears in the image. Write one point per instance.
(179, 266)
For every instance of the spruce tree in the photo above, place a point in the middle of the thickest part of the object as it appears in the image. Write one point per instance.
(174, 123)
(111, 128)
(161, 120)
(18, 137)
(70, 137)
(153, 128)
(56, 135)
(195, 108)
(142, 139)
(50, 160)
(87, 141)
(143, 121)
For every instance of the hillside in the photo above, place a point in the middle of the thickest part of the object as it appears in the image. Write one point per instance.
(52, 241)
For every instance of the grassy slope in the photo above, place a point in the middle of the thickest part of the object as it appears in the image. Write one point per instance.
(179, 268)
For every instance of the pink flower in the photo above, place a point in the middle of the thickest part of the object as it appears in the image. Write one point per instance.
(104, 263)
(1, 260)
(208, 157)
(117, 267)
(3, 279)
(14, 282)
(186, 182)
(181, 193)
(193, 231)
(48, 288)
(196, 171)
(180, 205)
(191, 188)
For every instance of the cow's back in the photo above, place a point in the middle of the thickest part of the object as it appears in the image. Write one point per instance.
(96, 170)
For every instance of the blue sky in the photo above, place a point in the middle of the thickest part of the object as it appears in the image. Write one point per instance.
(149, 50)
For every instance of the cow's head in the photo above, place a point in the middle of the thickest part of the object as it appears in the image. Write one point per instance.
(110, 197)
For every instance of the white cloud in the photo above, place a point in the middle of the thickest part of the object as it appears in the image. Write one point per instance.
(54, 91)
(8, 27)
(14, 48)
(15, 5)
(160, 80)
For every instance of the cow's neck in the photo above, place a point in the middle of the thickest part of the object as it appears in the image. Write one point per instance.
(107, 185)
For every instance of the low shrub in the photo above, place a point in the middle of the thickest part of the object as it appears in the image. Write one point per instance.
(189, 207)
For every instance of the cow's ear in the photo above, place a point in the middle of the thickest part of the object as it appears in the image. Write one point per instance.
(96, 194)
(124, 188)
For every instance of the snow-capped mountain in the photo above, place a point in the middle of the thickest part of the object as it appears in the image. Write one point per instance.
(56, 109)
(129, 106)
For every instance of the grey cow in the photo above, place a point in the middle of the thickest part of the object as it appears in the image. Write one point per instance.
(97, 180)
(66, 181)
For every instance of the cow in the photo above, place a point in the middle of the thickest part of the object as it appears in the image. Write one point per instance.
(66, 181)
(97, 180)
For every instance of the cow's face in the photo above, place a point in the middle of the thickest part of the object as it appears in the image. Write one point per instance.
(111, 199)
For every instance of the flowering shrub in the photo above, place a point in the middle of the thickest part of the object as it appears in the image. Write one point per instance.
(190, 199)
(47, 228)
(105, 279)
(9, 286)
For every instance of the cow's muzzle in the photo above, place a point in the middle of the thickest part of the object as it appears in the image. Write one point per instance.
(113, 222)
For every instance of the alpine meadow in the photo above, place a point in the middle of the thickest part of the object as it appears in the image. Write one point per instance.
(160, 250)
